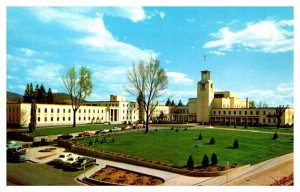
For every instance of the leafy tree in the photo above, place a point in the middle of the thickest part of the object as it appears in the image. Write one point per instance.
(190, 162)
(212, 141)
(279, 112)
(112, 140)
(32, 123)
(168, 103)
(200, 137)
(26, 96)
(214, 159)
(150, 80)
(252, 104)
(180, 103)
(262, 105)
(176, 130)
(236, 144)
(205, 161)
(275, 136)
(78, 87)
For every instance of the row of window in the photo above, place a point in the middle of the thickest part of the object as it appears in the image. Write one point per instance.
(13, 109)
(235, 112)
(69, 119)
(79, 111)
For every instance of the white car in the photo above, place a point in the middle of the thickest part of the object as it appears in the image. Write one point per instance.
(70, 160)
(116, 129)
(61, 159)
(105, 131)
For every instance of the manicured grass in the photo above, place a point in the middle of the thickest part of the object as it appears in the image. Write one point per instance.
(175, 147)
(266, 129)
(43, 131)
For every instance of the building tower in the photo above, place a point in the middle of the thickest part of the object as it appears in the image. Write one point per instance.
(205, 96)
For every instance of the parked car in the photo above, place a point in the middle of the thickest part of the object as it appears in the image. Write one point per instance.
(43, 142)
(98, 132)
(127, 127)
(116, 129)
(59, 161)
(83, 162)
(16, 155)
(70, 160)
(65, 137)
(13, 145)
(85, 134)
(105, 131)
(137, 126)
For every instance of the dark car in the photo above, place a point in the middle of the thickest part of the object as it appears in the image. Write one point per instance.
(83, 162)
(65, 137)
(43, 142)
(16, 155)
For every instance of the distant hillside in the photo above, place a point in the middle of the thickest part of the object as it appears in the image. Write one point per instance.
(10, 96)
(58, 97)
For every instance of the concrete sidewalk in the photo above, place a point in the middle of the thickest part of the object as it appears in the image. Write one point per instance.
(236, 177)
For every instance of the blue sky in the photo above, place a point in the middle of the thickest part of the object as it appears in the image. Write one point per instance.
(249, 50)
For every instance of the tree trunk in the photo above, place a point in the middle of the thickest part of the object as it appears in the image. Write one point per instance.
(147, 121)
(74, 118)
(278, 122)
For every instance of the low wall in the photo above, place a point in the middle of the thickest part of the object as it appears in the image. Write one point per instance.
(19, 136)
(89, 151)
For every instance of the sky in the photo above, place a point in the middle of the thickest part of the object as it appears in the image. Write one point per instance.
(249, 50)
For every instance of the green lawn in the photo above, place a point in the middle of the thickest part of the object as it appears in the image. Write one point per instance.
(174, 147)
(266, 129)
(64, 130)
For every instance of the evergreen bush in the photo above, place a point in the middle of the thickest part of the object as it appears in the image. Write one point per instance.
(190, 162)
(275, 136)
(212, 141)
(200, 137)
(236, 144)
(205, 161)
(91, 142)
(97, 140)
(176, 129)
(185, 129)
(214, 159)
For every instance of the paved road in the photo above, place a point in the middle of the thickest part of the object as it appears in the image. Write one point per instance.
(28, 173)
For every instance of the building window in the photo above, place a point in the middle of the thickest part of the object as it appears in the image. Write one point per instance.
(219, 112)
(39, 119)
(79, 118)
(264, 120)
(240, 112)
(69, 118)
(69, 110)
(102, 110)
(57, 110)
(234, 112)
(64, 110)
(84, 110)
(251, 112)
(89, 110)
(57, 118)
(264, 112)
(51, 110)
(89, 118)
(214, 112)
(224, 112)
(45, 119)
(256, 112)
(274, 120)
(269, 120)
(245, 112)
(39, 110)
(64, 118)
(84, 118)
(51, 118)
(45, 110)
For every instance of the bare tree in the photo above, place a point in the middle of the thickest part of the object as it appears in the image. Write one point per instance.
(262, 105)
(78, 87)
(279, 112)
(32, 124)
(147, 80)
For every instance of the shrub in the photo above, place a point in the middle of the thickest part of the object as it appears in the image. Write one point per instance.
(236, 144)
(113, 140)
(200, 137)
(214, 159)
(97, 140)
(205, 161)
(156, 129)
(176, 129)
(245, 126)
(275, 136)
(234, 125)
(172, 128)
(212, 141)
(91, 142)
(190, 162)
(185, 129)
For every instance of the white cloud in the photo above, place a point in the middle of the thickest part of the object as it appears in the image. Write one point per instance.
(219, 53)
(97, 36)
(156, 12)
(282, 94)
(263, 36)
(191, 20)
(179, 78)
(27, 52)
